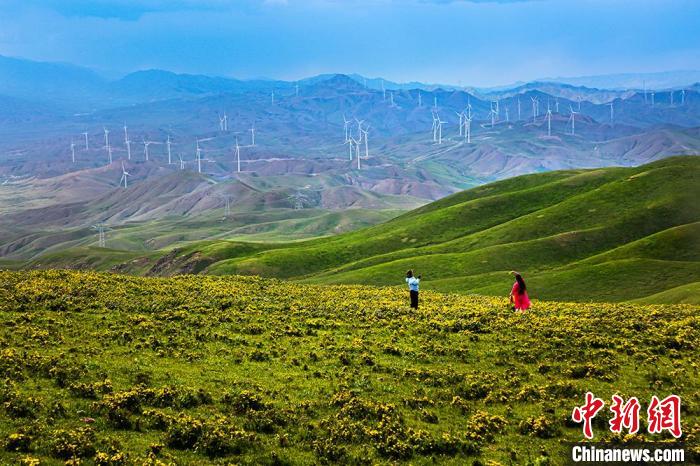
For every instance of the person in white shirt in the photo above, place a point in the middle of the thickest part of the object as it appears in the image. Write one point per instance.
(413, 283)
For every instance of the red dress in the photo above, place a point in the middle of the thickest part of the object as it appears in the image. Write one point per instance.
(520, 301)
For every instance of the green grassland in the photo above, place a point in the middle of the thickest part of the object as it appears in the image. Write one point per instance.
(611, 234)
(111, 369)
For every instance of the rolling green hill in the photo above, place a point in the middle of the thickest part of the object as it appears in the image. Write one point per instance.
(612, 234)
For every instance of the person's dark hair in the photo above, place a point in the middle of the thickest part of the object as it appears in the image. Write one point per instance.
(521, 283)
(409, 274)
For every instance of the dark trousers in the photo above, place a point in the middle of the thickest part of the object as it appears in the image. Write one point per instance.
(414, 299)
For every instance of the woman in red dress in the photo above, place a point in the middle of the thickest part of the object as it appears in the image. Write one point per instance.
(518, 295)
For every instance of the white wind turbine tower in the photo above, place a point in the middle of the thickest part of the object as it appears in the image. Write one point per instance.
(125, 175)
(199, 158)
(145, 148)
(549, 120)
(182, 162)
(383, 91)
(492, 114)
(100, 228)
(420, 99)
(357, 149)
(87, 144)
(682, 96)
(435, 126)
(346, 128)
(652, 98)
(107, 146)
(579, 103)
(519, 109)
(535, 108)
(365, 133)
(556, 104)
(468, 127)
(359, 127)
(612, 113)
(349, 143)
(127, 143)
(238, 155)
(272, 97)
(72, 150)
(391, 99)
(507, 115)
(168, 143)
(440, 123)
(252, 134)
(461, 121)
(435, 102)
(296, 89)
(572, 119)
(671, 93)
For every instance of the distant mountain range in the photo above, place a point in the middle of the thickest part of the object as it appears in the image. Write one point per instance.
(79, 88)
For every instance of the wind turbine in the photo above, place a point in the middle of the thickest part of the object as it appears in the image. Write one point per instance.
(682, 96)
(549, 120)
(100, 228)
(252, 133)
(199, 158)
(468, 127)
(145, 148)
(572, 119)
(168, 143)
(365, 132)
(107, 146)
(439, 127)
(359, 127)
(273, 97)
(391, 98)
(535, 107)
(238, 155)
(435, 102)
(507, 115)
(556, 104)
(223, 122)
(72, 150)
(296, 89)
(87, 144)
(652, 98)
(349, 143)
(519, 109)
(127, 143)
(461, 121)
(420, 99)
(644, 85)
(346, 127)
(671, 97)
(492, 114)
(182, 162)
(125, 175)
(579, 102)
(612, 113)
(435, 125)
(357, 149)
(383, 91)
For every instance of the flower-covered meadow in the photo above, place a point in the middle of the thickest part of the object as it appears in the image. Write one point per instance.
(117, 370)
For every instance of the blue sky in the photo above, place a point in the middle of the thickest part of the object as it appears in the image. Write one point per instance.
(472, 42)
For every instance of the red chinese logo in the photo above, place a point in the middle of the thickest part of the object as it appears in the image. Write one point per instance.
(625, 415)
(665, 415)
(587, 412)
(661, 415)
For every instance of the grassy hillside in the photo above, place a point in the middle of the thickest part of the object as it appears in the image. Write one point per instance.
(610, 234)
(195, 370)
